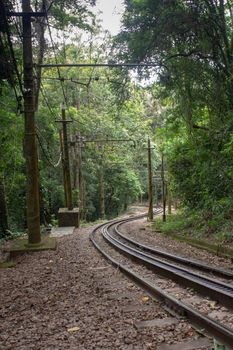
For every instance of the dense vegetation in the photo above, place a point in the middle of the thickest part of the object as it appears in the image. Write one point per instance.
(186, 107)
(114, 170)
(191, 42)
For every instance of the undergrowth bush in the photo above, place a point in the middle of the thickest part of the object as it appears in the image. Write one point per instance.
(213, 222)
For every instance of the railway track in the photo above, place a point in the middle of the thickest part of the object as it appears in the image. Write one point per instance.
(151, 258)
(200, 265)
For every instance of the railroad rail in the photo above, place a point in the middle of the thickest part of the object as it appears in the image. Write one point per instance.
(220, 291)
(200, 265)
(204, 285)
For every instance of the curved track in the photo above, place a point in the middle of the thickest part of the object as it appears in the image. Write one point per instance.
(220, 291)
(145, 255)
(200, 265)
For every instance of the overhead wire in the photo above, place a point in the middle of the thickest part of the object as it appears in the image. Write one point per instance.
(12, 53)
(42, 90)
(46, 154)
(13, 61)
(18, 98)
(61, 79)
(55, 57)
(47, 102)
(64, 79)
(50, 6)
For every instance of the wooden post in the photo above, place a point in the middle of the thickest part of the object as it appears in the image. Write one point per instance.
(66, 162)
(169, 200)
(101, 186)
(74, 166)
(84, 201)
(150, 185)
(163, 189)
(63, 167)
(30, 145)
(3, 210)
(156, 193)
(80, 177)
(78, 174)
(175, 203)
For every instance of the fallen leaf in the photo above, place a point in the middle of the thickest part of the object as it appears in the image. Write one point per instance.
(74, 329)
(145, 298)
(128, 321)
(212, 305)
(189, 333)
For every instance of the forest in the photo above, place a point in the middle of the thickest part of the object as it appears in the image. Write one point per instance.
(180, 96)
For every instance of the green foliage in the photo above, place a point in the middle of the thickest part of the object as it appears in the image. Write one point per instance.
(198, 224)
(174, 223)
(95, 115)
(191, 43)
(11, 157)
(122, 188)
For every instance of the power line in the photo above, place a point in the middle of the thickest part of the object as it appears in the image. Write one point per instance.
(12, 54)
(47, 102)
(46, 154)
(18, 30)
(89, 80)
(55, 56)
(64, 79)
(13, 60)
(50, 6)
(42, 90)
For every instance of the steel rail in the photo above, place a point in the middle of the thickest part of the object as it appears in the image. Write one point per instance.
(186, 261)
(212, 327)
(204, 285)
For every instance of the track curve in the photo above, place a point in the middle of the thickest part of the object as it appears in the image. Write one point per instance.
(204, 285)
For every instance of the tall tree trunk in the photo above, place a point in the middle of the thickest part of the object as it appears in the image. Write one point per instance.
(3, 211)
(163, 189)
(156, 193)
(101, 193)
(150, 184)
(169, 200)
(84, 201)
(175, 203)
(80, 178)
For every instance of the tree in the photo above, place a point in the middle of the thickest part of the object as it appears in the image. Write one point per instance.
(191, 44)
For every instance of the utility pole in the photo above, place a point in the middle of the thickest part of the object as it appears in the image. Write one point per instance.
(30, 145)
(68, 216)
(169, 199)
(4, 227)
(101, 186)
(80, 180)
(150, 186)
(163, 189)
(63, 166)
(66, 162)
(78, 173)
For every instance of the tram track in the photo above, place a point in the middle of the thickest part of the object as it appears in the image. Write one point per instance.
(200, 265)
(218, 290)
(145, 255)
